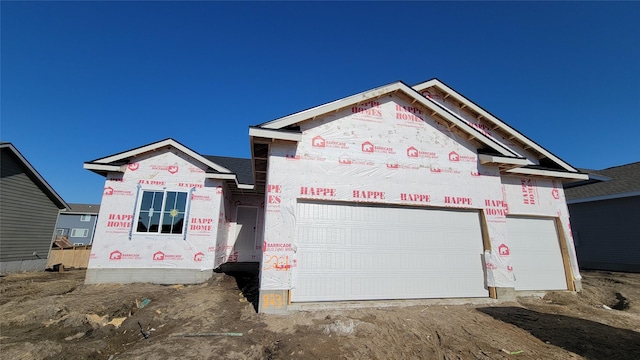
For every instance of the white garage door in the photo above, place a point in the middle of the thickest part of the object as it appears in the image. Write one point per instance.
(535, 254)
(356, 252)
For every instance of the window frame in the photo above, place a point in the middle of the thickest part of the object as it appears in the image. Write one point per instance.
(85, 217)
(162, 211)
(75, 230)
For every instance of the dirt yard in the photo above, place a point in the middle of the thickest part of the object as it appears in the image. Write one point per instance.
(56, 316)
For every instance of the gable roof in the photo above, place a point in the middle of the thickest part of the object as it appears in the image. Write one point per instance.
(498, 124)
(232, 170)
(82, 209)
(609, 183)
(35, 176)
(396, 87)
(490, 151)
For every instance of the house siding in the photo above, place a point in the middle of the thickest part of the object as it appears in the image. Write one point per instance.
(27, 216)
(72, 221)
(607, 234)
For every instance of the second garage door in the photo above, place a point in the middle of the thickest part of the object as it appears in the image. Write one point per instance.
(535, 254)
(353, 252)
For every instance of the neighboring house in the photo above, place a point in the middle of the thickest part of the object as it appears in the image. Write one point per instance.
(604, 218)
(75, 226)
(398, 192)
(28, 211)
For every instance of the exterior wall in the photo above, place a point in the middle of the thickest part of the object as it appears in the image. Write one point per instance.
(383, 152)
(27, 218)
(121, 254)
(72, 221)
(388, 152)
(225, 247)
(543, 198)
(607, 234)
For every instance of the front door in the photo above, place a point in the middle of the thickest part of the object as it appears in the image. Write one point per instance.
(246, 218)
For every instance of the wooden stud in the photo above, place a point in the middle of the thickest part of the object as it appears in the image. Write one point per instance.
(493, 293)
(486, 246)
(565, 255)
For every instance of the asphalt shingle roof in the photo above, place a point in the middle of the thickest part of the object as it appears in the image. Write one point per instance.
(624, 179)
(84, 208)
(239, 166)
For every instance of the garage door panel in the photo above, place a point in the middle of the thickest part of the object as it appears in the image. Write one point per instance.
(350, 252)
(535, 254)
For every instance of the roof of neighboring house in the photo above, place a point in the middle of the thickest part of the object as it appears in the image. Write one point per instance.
(240, 166)
(617, 180)
(83, 209)
(35, 176)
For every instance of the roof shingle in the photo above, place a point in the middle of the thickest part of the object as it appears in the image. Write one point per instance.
(624, 179)
(239, 166)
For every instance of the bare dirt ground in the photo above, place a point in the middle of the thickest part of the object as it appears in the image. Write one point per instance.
(55, 316)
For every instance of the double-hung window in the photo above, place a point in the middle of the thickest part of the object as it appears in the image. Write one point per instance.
(162, 212)
(79, 232)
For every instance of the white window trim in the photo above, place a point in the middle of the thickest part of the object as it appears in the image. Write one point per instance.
(85, 217)
(134, 223)
(75, 231)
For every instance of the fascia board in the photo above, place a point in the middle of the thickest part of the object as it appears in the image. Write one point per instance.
(331, 106)
(549, 173)
(103, 167)
(220, 176)
(230, 177)
(274, 134)
(157, 145)
(36, 174)
(598, 177)
(508, 129)
(604, 197)
(486, 159)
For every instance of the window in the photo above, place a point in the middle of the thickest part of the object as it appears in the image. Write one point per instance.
(85, 217)
(162, 212)
(79, 232)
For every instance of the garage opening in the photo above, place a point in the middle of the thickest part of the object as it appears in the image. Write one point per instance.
(355, 251)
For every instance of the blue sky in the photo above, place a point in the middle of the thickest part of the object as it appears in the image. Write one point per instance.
(83, 80)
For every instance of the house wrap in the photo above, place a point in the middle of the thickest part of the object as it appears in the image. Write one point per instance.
(395, 193)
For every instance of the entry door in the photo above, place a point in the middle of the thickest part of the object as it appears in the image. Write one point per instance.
(246, 218)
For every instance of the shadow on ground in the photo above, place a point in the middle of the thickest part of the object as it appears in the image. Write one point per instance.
(589, 339)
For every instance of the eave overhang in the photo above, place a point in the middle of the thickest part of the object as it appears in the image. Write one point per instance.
(503, 162)
(260, 140)
(548, 173)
